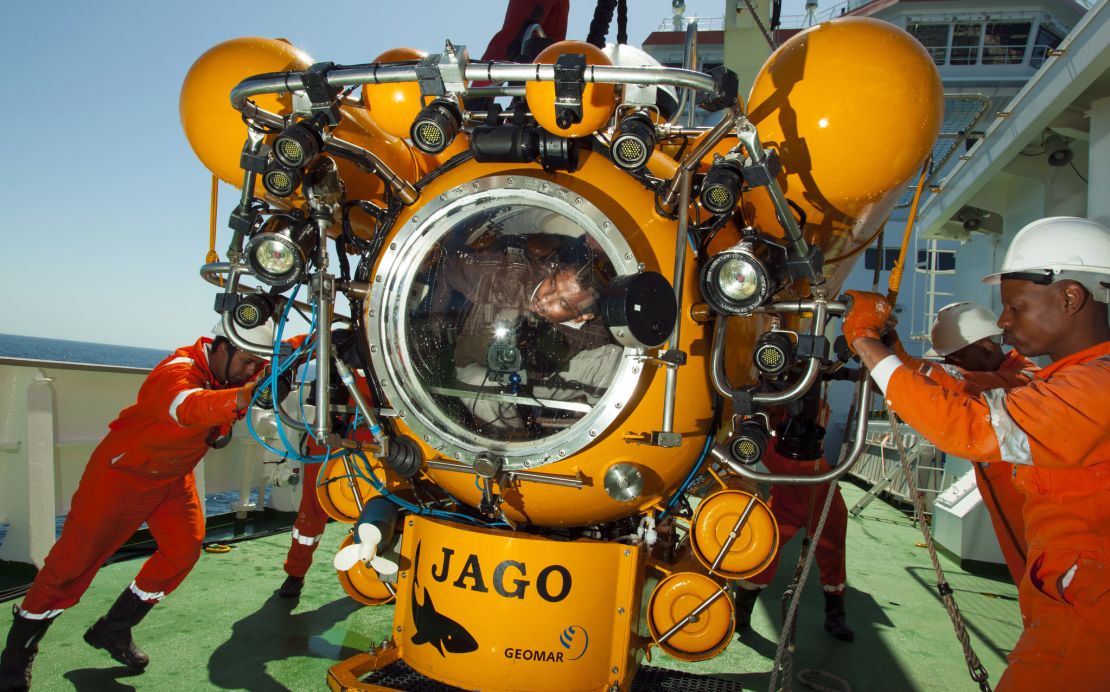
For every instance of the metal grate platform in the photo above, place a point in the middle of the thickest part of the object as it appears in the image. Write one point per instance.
(399, 676)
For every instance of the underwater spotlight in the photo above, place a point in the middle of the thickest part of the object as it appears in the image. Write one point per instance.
(279, 253)
(265, 398)
(435, 126)
(297, 146)
(721, 188)
(253, 310)
(735, 282)
(774, 352)
(748, 442)
(634, 141)
(279, 179)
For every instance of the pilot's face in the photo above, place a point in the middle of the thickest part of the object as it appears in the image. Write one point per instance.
(244, 366)
(559, 296)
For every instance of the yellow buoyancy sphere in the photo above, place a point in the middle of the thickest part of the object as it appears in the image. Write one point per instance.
(395, 105)
(598, 100)
(853, 107)
(214, 129)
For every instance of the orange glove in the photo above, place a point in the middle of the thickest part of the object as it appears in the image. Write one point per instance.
(245, 394)
(867, 316)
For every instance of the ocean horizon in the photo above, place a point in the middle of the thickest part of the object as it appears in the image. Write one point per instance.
(16, 346)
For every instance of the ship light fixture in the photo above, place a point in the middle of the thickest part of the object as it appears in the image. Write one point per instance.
(280, 180)
(435, 126)
(297, 146)
(749, 442)
(634, 141)
(774, 352)
(735, 282)
(279, 253)
(720, 190)
(253, 310)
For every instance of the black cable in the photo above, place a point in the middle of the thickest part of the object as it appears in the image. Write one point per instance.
(622, 22)
(599, 25)
(1072, 164)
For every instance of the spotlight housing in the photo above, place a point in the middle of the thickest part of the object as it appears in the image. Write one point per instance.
(280, 180)
(749, 442)
(265, 398)
(735, 281)
(297, 146)
(774, 353)
(279, 253)
(253, 310)
(435, 126)
(633, 141)
(720, 190)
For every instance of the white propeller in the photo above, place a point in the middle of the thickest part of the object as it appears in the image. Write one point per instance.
(365, 551)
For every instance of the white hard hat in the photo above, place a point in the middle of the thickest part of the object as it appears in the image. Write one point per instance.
(1061, 247)
(263, 334)
(962, 324)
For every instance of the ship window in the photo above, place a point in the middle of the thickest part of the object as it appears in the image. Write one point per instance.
(1047, 39)
(1004, 43)
(934, 37)
(965, 44)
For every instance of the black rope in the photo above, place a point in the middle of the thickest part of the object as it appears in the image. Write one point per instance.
(599, 25)
(622, 22)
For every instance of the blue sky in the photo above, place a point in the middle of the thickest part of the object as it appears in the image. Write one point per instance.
(105, 207)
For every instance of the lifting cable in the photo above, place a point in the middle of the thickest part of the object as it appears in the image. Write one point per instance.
(974, 665)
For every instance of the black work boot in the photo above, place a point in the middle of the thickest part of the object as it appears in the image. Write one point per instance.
(291, 587)
(835, 622)
(745, 604)
(113, 631)
(19, 652)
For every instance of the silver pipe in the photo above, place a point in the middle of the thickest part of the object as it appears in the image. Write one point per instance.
(863, 408)
(833, 307)
(211, 273)
(402, 187)
(361, 404)
(689, 62)
(749, 136)
(692, 158)
(678, 280)
(692, 617)
(813, 368)
(232, 330)
(532, 476)
(482, 71)
(719, 378)
(325, 292)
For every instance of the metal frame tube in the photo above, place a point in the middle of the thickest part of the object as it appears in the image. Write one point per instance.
(692, 158)
(720, 452)
(679, 279)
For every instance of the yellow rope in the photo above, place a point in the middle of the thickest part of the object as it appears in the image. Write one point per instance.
(212, 256)
(896, 273)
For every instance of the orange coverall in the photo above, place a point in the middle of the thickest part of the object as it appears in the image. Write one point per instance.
(1002, 499)
(1056, 432)
(797, 506)
(308, 528)
(141, 471)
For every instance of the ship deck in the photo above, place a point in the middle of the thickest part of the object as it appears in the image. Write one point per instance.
(227, 629)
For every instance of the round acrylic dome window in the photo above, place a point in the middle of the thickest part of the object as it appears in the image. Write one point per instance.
(485, 314)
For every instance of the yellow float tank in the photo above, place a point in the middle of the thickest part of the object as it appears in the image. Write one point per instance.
(853, 107)
(216, 131)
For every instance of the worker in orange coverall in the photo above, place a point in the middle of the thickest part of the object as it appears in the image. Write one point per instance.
(308, 528)
(965, 335)
(797, 450)
(142, 471)
(550, 15)
(1055, 283)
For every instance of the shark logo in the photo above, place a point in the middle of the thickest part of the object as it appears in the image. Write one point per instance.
(434, 628)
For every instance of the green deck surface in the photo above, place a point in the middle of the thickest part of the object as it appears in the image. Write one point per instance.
(225, 627)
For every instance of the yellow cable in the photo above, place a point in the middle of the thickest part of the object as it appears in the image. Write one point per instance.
(217, 548)
(896, 273)
(212, 256)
